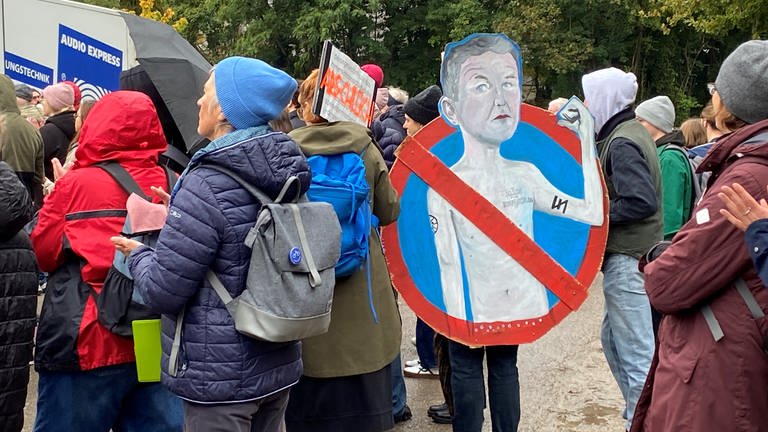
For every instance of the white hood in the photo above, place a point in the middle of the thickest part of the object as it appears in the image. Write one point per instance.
(608, 91)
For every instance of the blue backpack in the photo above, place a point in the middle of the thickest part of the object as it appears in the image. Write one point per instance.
(339, 179)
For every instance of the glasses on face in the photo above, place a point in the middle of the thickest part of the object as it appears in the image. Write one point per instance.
(711, 88)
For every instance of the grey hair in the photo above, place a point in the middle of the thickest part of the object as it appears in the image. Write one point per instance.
(456, 53)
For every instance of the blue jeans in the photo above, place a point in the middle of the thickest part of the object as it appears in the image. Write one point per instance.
(627, 331)
(469, 387)
(105, 398)
(399, 395)
(425, 345)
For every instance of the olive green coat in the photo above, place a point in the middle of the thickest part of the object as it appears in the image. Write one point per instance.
(355, 344)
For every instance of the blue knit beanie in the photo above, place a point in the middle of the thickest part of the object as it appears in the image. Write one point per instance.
(251, 92)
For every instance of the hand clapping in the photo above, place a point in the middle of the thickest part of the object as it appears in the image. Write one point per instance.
(741, 208)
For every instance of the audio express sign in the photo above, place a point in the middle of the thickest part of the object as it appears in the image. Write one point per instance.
(92, 64)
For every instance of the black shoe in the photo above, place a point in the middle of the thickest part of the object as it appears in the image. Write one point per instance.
(403, 415)
(435, 408)
(442, 417)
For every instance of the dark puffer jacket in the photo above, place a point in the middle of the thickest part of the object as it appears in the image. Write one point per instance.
(389, 133)
(57, 133)
(208, 219)
(18, 298)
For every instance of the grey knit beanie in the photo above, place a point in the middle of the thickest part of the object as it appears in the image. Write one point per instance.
(658, 111)
(742, 82)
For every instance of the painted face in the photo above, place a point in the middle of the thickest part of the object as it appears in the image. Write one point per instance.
(411, 126)
(487, 105)
(207, 117)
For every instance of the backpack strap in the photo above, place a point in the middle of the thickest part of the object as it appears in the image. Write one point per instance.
(261, 196)
(749, 300)
(171, 177)
(696, 189)
(218, 287)
(123, 178)
(315, 275)
(173, 358)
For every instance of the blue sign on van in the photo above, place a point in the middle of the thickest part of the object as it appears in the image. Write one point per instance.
(85, 61)
(27, 71)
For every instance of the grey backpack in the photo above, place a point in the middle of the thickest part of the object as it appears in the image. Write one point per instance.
(289, 288)
(294, 245)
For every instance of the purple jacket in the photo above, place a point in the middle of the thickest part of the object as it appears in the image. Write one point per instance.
(208, 219)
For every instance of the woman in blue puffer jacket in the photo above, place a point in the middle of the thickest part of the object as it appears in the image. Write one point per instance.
(228, 381)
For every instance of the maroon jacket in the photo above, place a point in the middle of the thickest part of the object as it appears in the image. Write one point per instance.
(696, 383)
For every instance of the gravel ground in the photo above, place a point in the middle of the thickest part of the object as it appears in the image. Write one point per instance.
(565, 383)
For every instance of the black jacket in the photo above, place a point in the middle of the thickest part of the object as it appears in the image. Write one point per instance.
(57, 133)
(389, 133)
(18, 298)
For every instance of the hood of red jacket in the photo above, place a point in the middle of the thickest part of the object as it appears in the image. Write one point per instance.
(122, 126)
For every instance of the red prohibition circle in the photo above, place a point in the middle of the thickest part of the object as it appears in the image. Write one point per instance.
(571, 290)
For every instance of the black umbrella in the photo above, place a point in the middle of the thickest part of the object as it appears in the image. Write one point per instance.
(176, 70)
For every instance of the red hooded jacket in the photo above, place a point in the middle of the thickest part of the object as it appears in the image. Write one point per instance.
(71, 238)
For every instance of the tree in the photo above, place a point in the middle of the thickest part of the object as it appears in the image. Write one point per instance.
(673, 46)
(144, 8)
(549, 46)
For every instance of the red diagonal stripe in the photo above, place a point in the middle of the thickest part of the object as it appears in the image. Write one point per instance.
(492, 222)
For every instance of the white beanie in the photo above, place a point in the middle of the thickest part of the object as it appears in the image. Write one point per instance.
(658, 111)
(607, 92)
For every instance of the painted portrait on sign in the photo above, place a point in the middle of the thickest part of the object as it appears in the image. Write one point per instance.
(540, 184)
(482, 84)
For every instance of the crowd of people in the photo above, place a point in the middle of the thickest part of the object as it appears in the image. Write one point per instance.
(684, 330)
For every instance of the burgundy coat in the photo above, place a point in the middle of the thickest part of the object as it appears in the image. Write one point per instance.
(696, 383)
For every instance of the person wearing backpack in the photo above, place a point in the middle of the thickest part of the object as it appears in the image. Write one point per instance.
(710, 371)
(657, 115)
(87, 374)
(228, 381)
(346, 385)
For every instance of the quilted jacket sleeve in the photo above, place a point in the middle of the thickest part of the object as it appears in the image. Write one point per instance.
(15, 203)
(168, 276)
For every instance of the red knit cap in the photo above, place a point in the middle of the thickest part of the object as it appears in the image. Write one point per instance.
(374, 72)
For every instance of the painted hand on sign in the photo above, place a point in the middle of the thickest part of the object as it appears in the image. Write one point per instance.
(509, 213)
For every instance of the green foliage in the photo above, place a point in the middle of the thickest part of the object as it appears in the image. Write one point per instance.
(673, 46)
